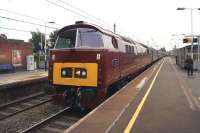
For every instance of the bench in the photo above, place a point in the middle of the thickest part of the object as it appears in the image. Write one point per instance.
(7, 67)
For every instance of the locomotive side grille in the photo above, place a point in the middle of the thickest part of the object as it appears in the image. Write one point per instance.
(75, 74)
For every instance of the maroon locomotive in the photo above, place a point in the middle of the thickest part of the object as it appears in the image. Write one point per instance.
(87, 60)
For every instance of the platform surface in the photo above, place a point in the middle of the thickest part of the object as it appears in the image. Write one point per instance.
(168, 102)
(21, 76)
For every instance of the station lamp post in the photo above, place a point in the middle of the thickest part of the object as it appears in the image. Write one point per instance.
(45, 44)
(191, 16)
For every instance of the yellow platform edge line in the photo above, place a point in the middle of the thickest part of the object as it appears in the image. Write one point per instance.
(136, 114)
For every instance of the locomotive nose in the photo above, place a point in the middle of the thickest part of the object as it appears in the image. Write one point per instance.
(75, 74)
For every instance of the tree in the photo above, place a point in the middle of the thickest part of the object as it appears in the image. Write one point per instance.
(163, 49)
(52, 38)
(36, 41)
(3, 36)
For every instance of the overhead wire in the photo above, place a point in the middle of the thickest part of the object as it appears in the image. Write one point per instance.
(75, 12)
(80, 10)
(89, 16)
(92, 17)
(27, 22)
(70, 5)
(14, 29)
(24, 15)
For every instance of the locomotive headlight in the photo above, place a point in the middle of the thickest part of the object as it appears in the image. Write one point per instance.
(64, 72)
(83, 73)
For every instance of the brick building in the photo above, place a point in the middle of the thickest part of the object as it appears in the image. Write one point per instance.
(13, 53)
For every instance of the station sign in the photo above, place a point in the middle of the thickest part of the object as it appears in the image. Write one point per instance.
(190, 40)
(187, 40)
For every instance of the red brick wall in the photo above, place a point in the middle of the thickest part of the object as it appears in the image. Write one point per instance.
(7, 46)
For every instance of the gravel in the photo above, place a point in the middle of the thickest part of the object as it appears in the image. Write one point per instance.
(28, 118)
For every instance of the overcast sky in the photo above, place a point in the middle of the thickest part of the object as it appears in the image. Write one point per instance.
(150, 21)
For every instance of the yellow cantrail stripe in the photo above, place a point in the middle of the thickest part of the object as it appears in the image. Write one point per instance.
(135, 115)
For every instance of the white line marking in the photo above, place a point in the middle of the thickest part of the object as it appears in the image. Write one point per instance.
(191, 105)
(186, 90)
(142, 83)
(118, 117)
(194, 99)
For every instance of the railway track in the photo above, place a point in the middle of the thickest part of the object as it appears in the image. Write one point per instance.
(55, 123)
(18, 106)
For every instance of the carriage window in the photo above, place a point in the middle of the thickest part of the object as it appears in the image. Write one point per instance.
(89, 38)
(126, 48)
(135, 50)
(66, 39)
(132, 49)
(129, 49)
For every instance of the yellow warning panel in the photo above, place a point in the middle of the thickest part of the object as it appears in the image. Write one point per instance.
(90, 80)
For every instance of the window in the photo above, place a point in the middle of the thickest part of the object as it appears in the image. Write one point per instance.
(129, 49)
(121, 46)
(132, 49)
(89, 38)
(107, 41)
(80, 38)
(135, 50)
(66, 39)
(126, 48)
(114, 42)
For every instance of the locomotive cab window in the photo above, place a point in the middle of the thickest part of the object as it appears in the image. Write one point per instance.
(66, 39)
(89, 38)
(80, 38)
(107, 40)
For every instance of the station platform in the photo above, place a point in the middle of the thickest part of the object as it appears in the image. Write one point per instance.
(163, 99)
(21, 77)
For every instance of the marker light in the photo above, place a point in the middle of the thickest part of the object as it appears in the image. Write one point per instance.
(80, 73)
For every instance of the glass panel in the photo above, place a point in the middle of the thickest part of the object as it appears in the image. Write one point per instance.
(107, 41)
(126, 48)
(66, 39)
(89, 38)
(114, 42)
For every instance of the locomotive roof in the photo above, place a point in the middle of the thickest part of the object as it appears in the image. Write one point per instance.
(98, 28)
